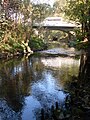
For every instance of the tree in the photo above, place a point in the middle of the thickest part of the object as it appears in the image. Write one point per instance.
(16, 21)
(79, 11)
(41, 11)
(15, 27)
(58, 7)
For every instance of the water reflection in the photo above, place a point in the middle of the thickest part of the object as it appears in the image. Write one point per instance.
(29, 110)
(58, 62)
(46, 90)
(27, 85)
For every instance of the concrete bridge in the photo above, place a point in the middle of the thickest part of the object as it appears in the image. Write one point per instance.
(56, 23)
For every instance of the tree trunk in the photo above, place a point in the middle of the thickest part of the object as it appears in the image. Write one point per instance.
(84, 70)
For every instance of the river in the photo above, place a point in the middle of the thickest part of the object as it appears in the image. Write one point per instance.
(30, 83)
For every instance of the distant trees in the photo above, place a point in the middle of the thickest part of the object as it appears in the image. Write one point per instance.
(41, 11)
(58, 7)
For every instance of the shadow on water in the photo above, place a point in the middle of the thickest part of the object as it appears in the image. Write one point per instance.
(29, 84)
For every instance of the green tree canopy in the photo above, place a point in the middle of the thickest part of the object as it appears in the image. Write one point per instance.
(79, 11)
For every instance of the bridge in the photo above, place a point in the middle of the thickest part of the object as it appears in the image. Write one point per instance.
(56, 23)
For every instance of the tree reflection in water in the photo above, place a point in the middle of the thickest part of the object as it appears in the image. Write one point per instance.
(26, 86)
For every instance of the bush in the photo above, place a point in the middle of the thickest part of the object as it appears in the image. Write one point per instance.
(36, 44)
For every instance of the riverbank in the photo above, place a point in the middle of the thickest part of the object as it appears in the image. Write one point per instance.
(80, 99)
(6, 55)
(69, 52)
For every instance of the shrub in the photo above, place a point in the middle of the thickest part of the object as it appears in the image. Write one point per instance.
(36, 43)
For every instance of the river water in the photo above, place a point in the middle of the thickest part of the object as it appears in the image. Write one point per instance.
(29, 84)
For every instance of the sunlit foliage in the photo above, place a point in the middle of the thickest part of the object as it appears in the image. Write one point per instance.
(79, 11)
(16, 21)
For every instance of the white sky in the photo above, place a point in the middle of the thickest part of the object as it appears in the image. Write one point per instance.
(44, 1)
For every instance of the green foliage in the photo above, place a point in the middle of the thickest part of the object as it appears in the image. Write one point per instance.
(8, 38)
(36, 43)
(79, 11)
(15, 31)
(58, 7)
(41, 11)
(82, 45)
(74, 9)
(79, 35)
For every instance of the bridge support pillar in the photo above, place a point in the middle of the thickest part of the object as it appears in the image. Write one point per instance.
(69, 36)
(46, 35)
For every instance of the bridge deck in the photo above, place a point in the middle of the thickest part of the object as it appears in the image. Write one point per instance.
(56, 23)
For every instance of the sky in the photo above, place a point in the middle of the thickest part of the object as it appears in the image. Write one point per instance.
(44, 1)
